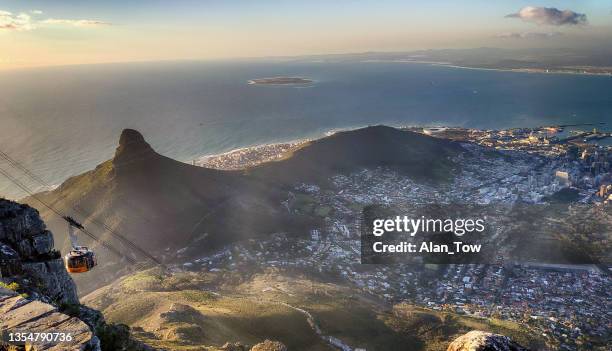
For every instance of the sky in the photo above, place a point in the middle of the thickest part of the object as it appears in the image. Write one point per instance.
(66, 32)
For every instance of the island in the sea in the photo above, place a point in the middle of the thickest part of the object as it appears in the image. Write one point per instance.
(280, 81)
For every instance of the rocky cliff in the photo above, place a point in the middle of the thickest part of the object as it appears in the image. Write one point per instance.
(27, 256)
(35, 284)
(483, 341)
(38, 295)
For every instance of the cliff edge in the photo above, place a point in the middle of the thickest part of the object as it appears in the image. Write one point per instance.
(37, 294)
(28, 257)
(21, 314)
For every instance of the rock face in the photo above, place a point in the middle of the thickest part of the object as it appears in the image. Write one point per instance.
(19, 314)
(483, 341)
(132, 147)
(269, 346)
(30, 266)
(27, 255)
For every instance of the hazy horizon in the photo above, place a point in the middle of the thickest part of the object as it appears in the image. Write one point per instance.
(68, 32)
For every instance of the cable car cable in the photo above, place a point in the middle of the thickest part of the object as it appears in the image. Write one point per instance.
(24, 188)
(115, 234)
(37, 179)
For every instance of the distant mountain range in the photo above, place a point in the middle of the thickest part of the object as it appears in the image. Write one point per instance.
(558, 59)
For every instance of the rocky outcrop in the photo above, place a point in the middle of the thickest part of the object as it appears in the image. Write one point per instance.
(236, 346)
(30, 266)
(28, 258)
(483, 341)
(132, 147)
(19, 314)
(269, 346)
(54, 279)
(40, 296)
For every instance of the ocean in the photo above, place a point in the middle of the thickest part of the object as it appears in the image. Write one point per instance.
(62, 121)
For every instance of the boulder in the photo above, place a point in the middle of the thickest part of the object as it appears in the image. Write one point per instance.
(10, 262)
(25, 249)
(483, 341)
(43, 242)
(53, 280)
(236, 346)
(18, 221)
(269, 345)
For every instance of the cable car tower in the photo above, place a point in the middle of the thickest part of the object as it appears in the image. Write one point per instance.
(80, 259)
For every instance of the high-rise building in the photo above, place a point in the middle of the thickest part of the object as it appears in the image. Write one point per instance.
(563, 178)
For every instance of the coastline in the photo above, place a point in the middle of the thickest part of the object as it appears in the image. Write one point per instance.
(249, 156)
(253, 155)
(527, 70)
(514, 70)
(294, 143)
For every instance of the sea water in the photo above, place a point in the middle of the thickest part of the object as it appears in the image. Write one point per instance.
(62, 121)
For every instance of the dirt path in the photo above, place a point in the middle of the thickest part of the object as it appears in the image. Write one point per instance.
(333, 341)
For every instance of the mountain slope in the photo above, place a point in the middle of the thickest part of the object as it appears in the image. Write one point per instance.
(416, 155)
(194, 310)
(161, 203)
(156, 201)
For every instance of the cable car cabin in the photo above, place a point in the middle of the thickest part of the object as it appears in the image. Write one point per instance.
(80, 259)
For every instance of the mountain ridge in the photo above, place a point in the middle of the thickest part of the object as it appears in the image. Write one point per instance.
(164, 205)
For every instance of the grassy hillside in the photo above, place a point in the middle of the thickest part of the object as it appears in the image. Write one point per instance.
(189, 311)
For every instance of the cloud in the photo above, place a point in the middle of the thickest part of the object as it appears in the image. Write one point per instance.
(17, 22)
(528, 35)
(75, 23)
(549, 16)
(24, 22)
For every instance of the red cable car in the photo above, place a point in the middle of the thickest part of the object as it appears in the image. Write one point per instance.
(80, 259)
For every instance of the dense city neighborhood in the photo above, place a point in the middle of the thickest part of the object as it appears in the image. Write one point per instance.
(569, 305)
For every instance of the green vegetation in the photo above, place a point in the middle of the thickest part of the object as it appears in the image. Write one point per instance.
(265, 306)
(304, 204)
(7, 347)
(14, 286)
(323, 211)
(143, 281)
(71, 309)
(197, 295)
(115, 337)
(564, 196)
(438, 328)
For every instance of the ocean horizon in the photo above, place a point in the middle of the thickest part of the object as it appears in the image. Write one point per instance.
(62, 121)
